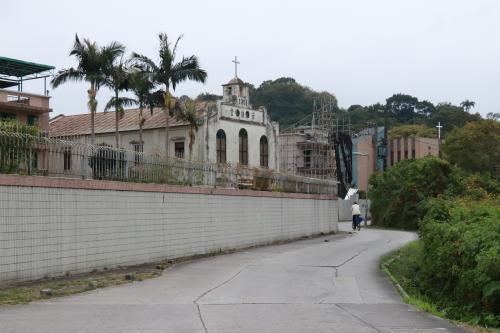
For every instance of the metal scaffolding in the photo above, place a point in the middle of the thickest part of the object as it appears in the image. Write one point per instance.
(319, 145)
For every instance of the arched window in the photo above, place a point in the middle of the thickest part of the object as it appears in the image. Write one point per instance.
(221, 146)
(243, 147)
(264, 152)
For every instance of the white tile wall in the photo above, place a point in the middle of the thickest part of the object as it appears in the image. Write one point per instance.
(51, 231)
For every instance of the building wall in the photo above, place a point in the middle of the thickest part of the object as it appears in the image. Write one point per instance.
(404, 148)
(257, 125)
(36, 105)
(54, 226)
(363, 164)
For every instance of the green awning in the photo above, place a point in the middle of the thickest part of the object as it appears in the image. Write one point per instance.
(19, 68)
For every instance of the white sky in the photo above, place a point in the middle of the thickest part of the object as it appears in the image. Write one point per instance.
(363, 51)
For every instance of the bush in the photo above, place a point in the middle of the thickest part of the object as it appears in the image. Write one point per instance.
(398, 195)
(475, 147)
(460, 268)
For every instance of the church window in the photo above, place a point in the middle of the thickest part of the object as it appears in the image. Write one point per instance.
(247, 114)
(221, 146)
(237, 113)
(179, 149)
(243, 147)
(67, 158)
(264, 152)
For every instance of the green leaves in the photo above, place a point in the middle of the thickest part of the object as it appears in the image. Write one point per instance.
(399, 195)
(475, 147)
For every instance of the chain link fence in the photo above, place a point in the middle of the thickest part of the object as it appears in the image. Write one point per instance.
(41, 156)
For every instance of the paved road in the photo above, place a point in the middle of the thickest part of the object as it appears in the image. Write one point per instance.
(306, 286)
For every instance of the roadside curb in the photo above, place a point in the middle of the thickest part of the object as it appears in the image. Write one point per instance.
(385, 269)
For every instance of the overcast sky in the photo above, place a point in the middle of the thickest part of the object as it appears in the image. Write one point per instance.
(361, 51)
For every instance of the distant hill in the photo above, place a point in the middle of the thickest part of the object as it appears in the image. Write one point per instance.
(286, 100)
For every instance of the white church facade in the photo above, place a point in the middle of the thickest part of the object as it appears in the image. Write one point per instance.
(233, 131)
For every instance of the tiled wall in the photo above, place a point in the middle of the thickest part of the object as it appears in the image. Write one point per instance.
(48, 231)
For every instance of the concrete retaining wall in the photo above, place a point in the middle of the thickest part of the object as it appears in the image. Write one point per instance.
(49, 227)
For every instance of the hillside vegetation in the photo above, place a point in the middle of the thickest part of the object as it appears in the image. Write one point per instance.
(288, 102)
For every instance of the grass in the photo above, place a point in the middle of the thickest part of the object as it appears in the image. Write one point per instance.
(29, 292)
(400, 266)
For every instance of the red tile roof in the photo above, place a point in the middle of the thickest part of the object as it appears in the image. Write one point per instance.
(105, 121)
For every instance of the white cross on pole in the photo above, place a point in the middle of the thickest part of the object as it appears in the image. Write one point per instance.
(439, 129)
(236, 62)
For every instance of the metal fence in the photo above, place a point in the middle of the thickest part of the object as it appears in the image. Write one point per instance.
(42, 156)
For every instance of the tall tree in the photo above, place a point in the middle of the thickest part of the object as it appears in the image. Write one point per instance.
(141, 85)
(475, 147)
(190, 116)
(467, 105)
(92, 60)
(117, 78)
(168, 73)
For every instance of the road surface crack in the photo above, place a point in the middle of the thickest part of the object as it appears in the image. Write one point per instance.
(209, 291)
(357, 317)
(343, 263)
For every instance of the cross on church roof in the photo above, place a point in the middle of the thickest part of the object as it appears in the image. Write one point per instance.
(236, 62)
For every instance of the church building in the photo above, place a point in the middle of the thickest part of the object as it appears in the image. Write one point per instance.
(239, 134)
(233, 131)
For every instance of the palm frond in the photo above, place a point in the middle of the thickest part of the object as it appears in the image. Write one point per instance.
(65, 75)
(143, 63)
(112, 51)
(174, 50)
(119, 103)
(188, 68)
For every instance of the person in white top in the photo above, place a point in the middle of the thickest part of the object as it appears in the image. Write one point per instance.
(356, 212)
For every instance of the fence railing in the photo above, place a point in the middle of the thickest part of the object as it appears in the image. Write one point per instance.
(42, 156)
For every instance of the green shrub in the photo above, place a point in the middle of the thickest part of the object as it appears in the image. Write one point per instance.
(399, 194)
(460, 268)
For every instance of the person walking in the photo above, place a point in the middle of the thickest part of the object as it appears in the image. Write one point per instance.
(356, 212)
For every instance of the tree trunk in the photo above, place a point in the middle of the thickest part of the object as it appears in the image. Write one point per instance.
(92, 106)
(167, 127)
(117, 132)
(191, 141)
(140, 125)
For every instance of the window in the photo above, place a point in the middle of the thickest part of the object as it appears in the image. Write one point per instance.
(264, 152)
(237, 113)
(32, 120)
(138, 149)
(67, 158)
(247, 114)
(392, 157)
(406, 154)
(399, 155)
(179, 149)
(243, 147)
(307, 158)
(7, 116)
(221, 146)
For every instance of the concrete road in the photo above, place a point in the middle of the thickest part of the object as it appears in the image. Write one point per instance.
(306, 286)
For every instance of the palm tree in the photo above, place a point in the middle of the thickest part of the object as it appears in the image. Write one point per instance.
(92, 60)
(117, 78)
(190, 116)
(141, 86)
(467, 105)
(169, 73)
